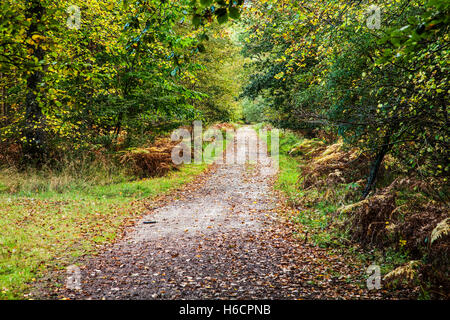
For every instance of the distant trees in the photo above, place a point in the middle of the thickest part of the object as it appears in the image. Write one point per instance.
(318, 64)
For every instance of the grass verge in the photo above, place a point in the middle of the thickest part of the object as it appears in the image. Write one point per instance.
(49, 229)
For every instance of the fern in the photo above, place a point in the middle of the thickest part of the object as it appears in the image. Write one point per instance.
(405, 272)
(441, 230)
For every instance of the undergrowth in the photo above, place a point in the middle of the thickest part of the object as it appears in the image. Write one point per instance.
(393, 227)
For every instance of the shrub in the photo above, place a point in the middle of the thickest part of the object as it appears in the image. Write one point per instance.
(152, 161)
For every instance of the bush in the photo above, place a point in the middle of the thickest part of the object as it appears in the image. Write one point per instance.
(155, 160)
(401, 217)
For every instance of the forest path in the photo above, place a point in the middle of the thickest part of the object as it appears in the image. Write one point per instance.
(219, 239)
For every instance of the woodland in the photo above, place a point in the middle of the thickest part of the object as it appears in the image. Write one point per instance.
(91, 90)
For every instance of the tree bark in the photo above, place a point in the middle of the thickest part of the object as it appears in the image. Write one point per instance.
(376, 166)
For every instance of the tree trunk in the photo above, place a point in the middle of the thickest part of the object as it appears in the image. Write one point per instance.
(376, 166)
(118, 125)
(34, 144)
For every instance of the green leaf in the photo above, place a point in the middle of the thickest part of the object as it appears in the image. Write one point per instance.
(196, 20)
(201, 48)
(206, 3)
(222, 16)
(234, 13)
(174, 72)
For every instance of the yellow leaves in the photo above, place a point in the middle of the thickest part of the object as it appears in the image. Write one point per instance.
(38, 38)
(281, 59)
(279, 75)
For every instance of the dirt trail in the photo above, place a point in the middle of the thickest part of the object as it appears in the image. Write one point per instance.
(222, 240)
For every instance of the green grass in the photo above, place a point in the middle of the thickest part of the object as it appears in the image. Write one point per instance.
(40, 231)
(288, 177)
(312, 213)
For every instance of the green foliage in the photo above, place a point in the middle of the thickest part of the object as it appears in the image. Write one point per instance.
(134, 70)
(253, 111)
(220, 77)
(317, 65)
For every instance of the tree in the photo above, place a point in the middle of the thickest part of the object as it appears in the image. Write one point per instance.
(384, 90)
(34, 142)
(128, 69)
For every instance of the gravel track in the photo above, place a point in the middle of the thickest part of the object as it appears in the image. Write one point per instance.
(219, 239)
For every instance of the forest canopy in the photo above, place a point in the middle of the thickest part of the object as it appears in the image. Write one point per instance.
(77, 73)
